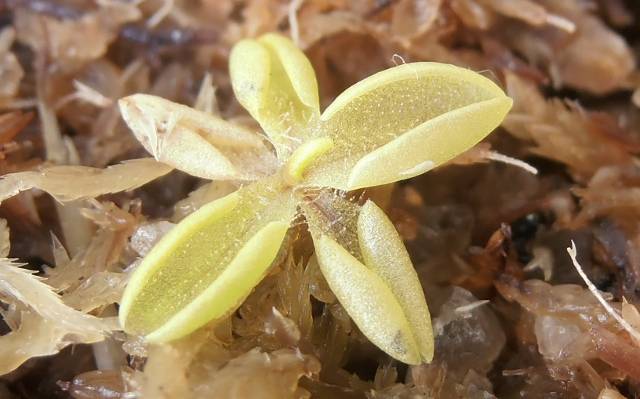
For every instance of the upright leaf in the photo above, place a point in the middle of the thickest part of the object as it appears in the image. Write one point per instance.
(276, 83)
(384, 253)
(368, 300)
(367, 267)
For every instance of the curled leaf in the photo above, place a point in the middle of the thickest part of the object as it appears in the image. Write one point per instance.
(276, 83)
(384, 253)
(404, 121)
(87, 182)
(368, 300)
(205, 266)
(304, 156)
(193, 141)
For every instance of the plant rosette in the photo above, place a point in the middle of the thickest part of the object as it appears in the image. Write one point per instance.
(391, 126)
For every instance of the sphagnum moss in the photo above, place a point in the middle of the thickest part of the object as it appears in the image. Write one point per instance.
(394, 125)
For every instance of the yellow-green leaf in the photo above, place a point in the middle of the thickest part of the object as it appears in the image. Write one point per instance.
(368, 300)
(297, 66)
(206, 265)
(250, 70)
(384, 253)
(228, 291)
(276, 83)
(404, 121)
(195, 142)
(304, 156)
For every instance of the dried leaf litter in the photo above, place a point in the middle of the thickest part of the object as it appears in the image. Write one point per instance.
(471, 227)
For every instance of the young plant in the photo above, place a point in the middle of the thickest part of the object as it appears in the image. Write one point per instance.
(394, 125)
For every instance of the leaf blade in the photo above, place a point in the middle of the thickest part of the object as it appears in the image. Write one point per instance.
(297, 67)
(195, 142)
(230, 288)
(385, 254)
(166, 246)
(385, 106)
(249, 68)
(198, 251)
(428, 145)
(368, 300)
(275, 82)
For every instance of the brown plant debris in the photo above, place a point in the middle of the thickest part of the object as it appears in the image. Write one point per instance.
(82, 201)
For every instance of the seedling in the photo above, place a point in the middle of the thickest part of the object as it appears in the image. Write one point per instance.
(394, 125)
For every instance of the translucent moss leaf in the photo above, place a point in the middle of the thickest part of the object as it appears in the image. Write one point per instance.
(263, 375)
(20, 285)
(5, 241)
(404, 121)
(368, 300)
(68, 183)
(42, 336)
(45, 322)
(100, 289)
(205, 266)
(384, 253)
(276, 83)
(195, 142)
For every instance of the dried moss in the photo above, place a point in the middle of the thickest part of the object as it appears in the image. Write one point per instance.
(471, 227)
